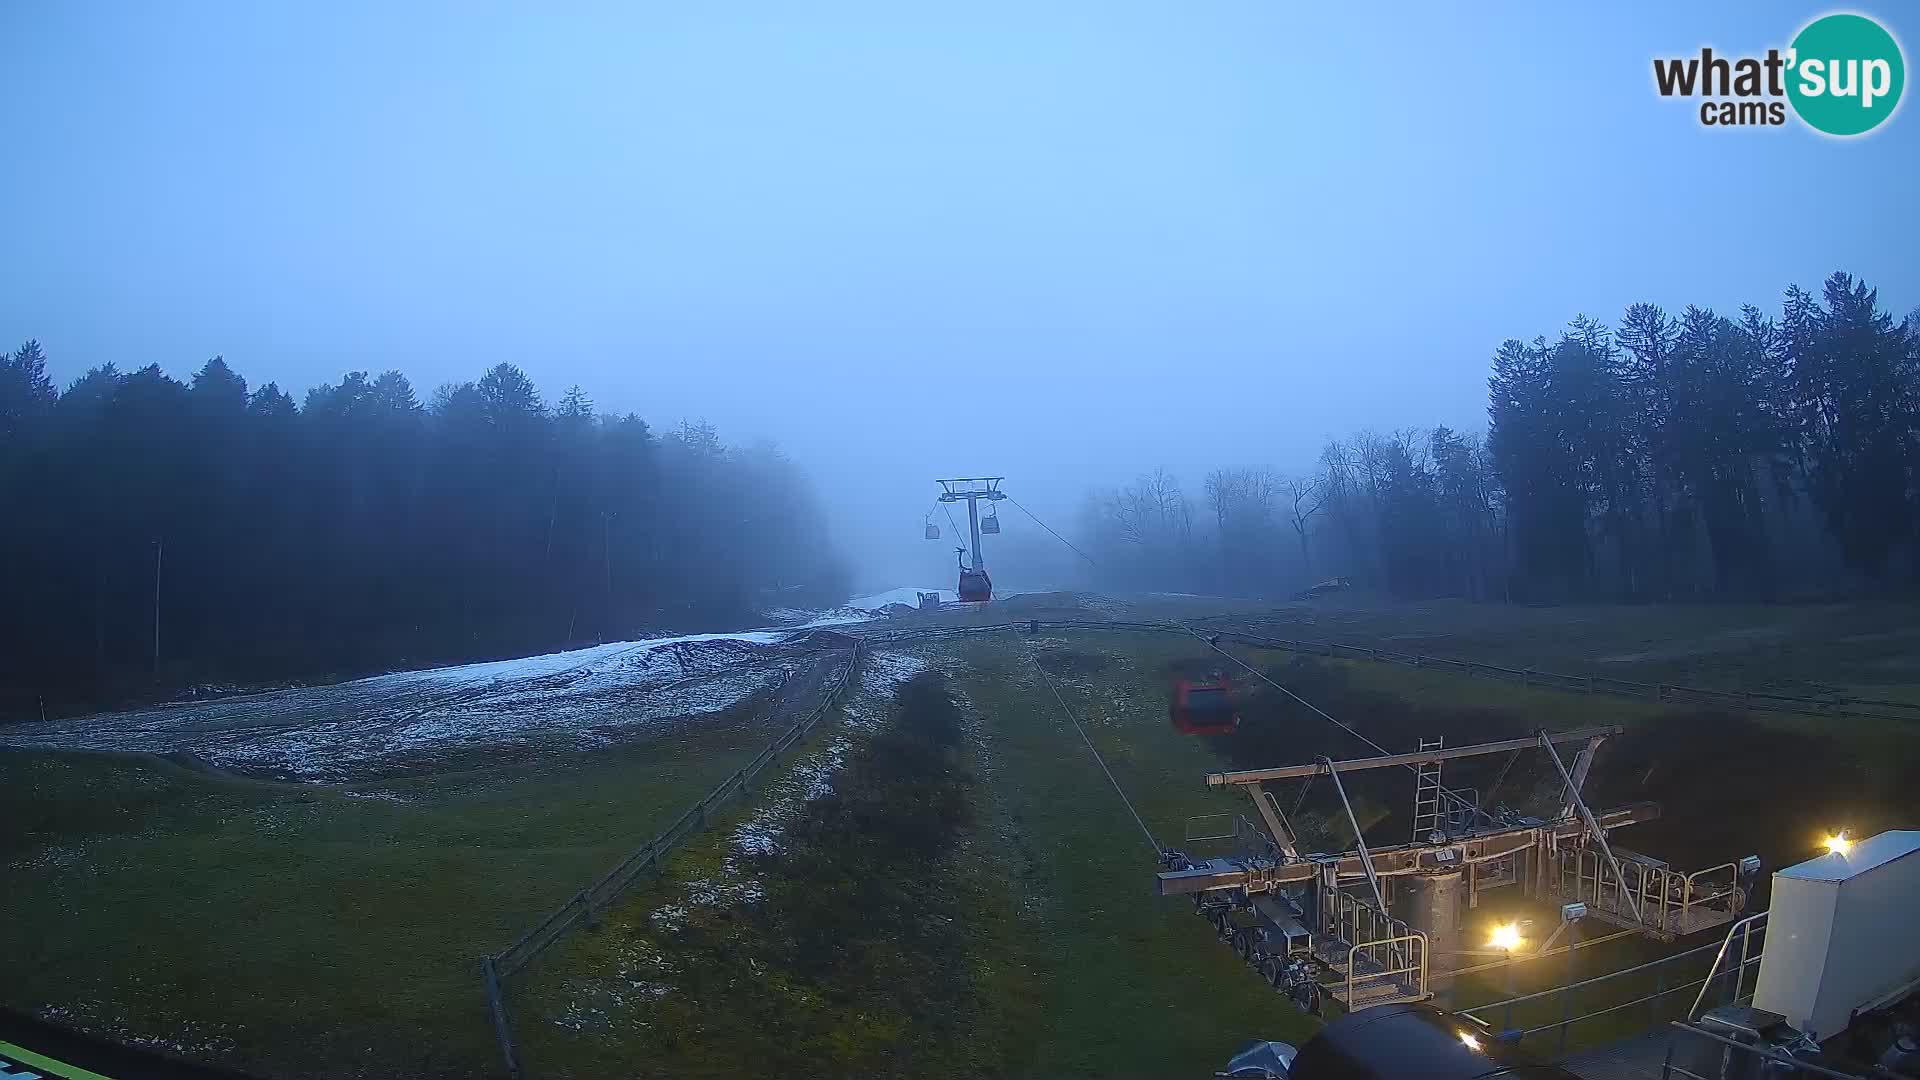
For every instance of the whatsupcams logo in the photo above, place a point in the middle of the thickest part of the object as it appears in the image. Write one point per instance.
(1841, 76)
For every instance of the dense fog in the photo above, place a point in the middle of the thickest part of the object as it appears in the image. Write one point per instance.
(445, 340)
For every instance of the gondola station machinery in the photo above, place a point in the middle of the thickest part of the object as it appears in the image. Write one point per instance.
(1837, 993)
(1837, 996)
(1376, 925)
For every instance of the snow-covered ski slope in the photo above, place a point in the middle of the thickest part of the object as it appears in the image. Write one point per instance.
(582, 697)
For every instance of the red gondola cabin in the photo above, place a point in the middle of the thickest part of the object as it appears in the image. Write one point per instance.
(1203, 708)
(975, 586)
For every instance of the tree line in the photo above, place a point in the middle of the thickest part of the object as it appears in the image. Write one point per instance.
(186, 533)
(1669, 456)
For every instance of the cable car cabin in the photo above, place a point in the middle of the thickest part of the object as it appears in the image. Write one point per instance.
(1203, 708)
(990, 524)
(933, 531)
(975, 586)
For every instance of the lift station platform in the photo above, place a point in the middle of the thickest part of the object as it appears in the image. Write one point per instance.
(1377, 925)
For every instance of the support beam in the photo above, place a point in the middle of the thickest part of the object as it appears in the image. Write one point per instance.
(1359, 842)
(1581, 765)
(1324, 767)
(1599, 834)
(1263, 801)
(1483, 846)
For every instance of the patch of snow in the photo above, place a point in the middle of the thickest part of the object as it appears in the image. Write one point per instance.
(704, 893)
(909, 597)
(812, 776)
(382, 796)
(583, 697)
(641, 973)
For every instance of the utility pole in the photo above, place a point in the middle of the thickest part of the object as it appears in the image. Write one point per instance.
(974, 583)
(159, 546)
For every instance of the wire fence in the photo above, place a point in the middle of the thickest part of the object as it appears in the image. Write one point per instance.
(1840, 705)
(593, 900)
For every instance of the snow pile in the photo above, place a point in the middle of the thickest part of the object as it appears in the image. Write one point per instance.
(581, 697)
(798, 619)
(812, 776)
(909, 597)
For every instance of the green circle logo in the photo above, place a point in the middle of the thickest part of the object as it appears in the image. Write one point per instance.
(1845, 74)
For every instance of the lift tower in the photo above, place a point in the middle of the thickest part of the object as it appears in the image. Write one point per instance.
(974, 583)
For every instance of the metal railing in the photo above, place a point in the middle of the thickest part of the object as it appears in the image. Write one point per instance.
(1781, 1062)
(1667, 900)
(1405, 955)
(600, 894)
(1746, 930)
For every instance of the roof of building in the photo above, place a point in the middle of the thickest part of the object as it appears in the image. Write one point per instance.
(1863, 856)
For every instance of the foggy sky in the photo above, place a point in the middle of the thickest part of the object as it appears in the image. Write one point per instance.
(1060, 242)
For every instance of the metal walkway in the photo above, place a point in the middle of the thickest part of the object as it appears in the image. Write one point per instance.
(1657, 900)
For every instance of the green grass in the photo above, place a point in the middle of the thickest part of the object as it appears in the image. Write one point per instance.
(1031, 945)
(290, 929)
(1872, 650)
(298, 931)
(854, 949)
(1125, 983)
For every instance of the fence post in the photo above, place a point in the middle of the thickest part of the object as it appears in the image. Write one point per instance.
(1566, 1009)
(502, 1029)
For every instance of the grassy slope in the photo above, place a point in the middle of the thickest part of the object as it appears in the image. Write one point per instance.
(322, 935)
(870, 949)
(294, 930)
(1040, 916)
(1872, 650)
(1127, 984)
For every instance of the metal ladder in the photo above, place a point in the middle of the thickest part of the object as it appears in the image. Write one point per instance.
(1427, 792)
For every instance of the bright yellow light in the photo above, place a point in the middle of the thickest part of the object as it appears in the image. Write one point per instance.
(1506, 936)
(1472, 1043)
(1838, 843)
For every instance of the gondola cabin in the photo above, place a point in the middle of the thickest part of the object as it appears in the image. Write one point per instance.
(975, 586)
(1203, 708)
(991, 523)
